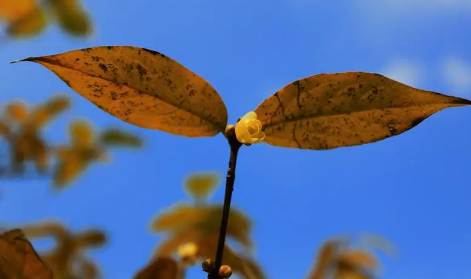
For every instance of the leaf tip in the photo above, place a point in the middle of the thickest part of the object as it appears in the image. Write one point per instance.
(462, 101)
(30, 59)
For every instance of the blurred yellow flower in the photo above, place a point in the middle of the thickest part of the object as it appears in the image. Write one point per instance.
(249, 129)
(187, 250)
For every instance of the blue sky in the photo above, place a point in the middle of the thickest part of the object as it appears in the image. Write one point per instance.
(412, 189)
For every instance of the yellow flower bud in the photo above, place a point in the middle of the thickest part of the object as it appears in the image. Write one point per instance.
(249, 129)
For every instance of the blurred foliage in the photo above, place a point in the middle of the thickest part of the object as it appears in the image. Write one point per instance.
(198, 224)
(192, 231)
(67, 259)
(199, 186)
(86, 148)
(162, 268)
(21, 129)
(341, 259)
(18, 259)
(25, 18)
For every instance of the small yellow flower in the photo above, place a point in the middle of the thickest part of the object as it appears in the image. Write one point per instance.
(187, 250)
(249, 129)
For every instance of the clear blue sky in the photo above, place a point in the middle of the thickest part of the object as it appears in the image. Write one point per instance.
(413, 189)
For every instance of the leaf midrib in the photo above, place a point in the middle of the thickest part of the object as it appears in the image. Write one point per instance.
(285, 121)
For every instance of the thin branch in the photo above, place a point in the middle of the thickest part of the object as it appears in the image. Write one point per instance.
(230, 178)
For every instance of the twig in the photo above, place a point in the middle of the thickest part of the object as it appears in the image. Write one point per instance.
(230, 178)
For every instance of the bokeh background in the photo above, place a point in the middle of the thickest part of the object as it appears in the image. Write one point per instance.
(412, 189)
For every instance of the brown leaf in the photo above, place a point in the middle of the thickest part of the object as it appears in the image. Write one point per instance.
(4, 130)
(44, 113)
(327, 111)
(88, 270)
(91, 238)
(18, 259)
(324, 260)
(351, 274)
(39, 153)
(16, 111)
(74, 160)
(142, 87)
(20, 152)
(46, 229)
(70, 168)
(161, 268)
(81, 134)
(358, 259)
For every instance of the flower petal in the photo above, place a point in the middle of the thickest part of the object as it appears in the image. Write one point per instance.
(259, 137)
(249, 115)
(254, 125)
(242, 132)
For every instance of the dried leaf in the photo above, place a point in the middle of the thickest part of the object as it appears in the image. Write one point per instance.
(16, 111)
(32, 24)
(20, 151)
(358, 259)
(70, 168)
(46, 229)
(12, 10)
(39, 154)
(88, 270)
(161, 268)
(201, 185)
(91, 238)
(324, 259)
(327, 111)
(4, 130)
(115, 137)
(19, 260)
(351, 274)
(142, 87)
(64, 4)
(74, 160)
(81, 134)
(41, 115)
